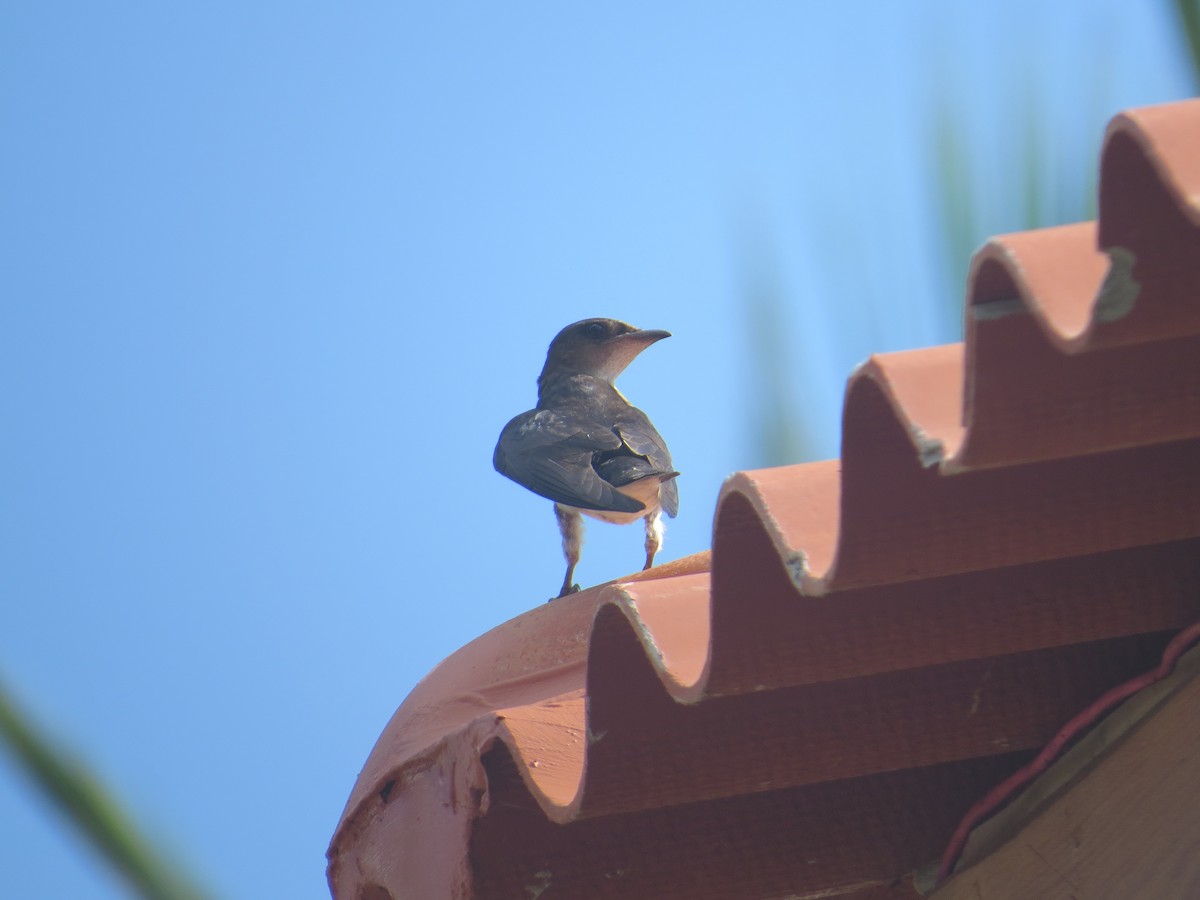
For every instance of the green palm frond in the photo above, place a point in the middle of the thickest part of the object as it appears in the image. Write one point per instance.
(90, 808)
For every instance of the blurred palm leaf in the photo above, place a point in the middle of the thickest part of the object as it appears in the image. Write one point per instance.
(778, 431)
(91, 809)
(1189, 18)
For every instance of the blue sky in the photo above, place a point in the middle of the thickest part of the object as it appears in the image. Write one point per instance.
(273, 276)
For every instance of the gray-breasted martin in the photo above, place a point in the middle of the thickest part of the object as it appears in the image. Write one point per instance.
(584, 446)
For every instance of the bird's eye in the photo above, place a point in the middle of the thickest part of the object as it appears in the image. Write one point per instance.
(595, 330)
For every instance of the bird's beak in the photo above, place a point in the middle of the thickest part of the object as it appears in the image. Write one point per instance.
(621, 350)
(646, 336)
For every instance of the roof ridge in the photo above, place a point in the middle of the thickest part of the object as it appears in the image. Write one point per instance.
(1024, 506)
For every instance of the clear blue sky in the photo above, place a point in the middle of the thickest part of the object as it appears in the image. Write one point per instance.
(274, 275)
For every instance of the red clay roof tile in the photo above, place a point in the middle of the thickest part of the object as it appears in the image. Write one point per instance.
(1013, 528)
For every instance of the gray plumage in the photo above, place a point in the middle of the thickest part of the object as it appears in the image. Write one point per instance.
(584, 446)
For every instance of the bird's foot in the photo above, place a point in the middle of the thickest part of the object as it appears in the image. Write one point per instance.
(566, 591)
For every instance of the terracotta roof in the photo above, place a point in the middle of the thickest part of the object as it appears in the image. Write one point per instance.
(874, 642)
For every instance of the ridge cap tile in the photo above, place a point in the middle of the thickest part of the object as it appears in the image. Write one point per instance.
(1019, 509)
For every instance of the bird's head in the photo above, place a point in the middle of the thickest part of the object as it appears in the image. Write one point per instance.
(598, 347)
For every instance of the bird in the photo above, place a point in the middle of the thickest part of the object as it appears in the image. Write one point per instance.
(585, 447)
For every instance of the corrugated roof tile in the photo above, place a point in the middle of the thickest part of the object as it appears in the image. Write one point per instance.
(1012, 529)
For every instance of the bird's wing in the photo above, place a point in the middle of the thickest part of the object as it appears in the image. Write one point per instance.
(669, 498)
(553, 458)
(624, 468)
(640, 436)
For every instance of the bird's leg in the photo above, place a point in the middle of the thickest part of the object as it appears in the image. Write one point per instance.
(570, 523)
(654, 536)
